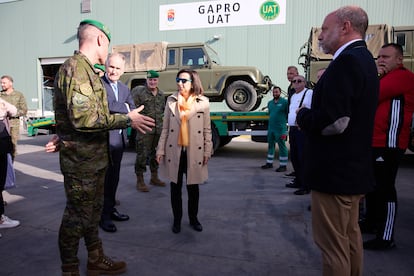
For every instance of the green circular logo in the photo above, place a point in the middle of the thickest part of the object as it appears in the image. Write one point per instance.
(269, 10)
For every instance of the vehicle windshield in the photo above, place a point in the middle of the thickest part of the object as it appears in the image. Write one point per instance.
(213, 55)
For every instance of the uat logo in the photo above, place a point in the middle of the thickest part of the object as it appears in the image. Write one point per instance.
(269, 10)
(171, 15)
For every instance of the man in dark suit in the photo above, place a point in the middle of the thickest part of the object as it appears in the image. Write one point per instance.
(338, 130)
(119, 101)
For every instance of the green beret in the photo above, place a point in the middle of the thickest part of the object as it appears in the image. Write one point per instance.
(151, 74)
(98, 25)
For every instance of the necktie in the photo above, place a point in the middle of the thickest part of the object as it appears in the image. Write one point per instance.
(115, 89)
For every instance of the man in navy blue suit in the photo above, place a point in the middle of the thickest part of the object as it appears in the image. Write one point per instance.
(338, 131)
(119, 101)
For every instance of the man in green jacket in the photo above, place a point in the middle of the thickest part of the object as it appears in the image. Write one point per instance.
(153, 99)
(17, 99)
(82, 123)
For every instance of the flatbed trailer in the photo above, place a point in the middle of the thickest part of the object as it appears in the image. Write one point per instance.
(225, 125)
(33, 125)
(229, 124)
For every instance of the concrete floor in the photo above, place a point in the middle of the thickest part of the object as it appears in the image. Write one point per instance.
(253, 225)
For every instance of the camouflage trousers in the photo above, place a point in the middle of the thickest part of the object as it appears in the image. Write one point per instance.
(84, 201)
(145, 147)
(14, 133)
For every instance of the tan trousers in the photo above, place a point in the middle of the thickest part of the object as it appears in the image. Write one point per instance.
(336, 232)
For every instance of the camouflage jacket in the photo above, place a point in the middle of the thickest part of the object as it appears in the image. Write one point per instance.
(82, 116)
(17, 99)
(153, 105)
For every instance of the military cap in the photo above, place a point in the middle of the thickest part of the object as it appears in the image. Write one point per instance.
(98, 25)
(151, 74)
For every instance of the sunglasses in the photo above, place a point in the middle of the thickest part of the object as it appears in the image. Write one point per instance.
(182, 80)
(297, 81)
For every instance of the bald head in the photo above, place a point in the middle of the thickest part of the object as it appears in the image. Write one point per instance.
(357, 17)
(342, 26)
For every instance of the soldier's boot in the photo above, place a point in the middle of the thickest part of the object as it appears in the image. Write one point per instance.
(155, 180)
(99, 264)
(70, 270)
(141, 184)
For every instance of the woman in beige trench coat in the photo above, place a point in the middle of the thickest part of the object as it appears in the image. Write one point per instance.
(185, 145)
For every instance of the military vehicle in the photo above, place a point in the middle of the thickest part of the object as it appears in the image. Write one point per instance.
(312, 58)
(242, 87)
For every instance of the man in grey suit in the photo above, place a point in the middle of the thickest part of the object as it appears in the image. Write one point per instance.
(119, 101)
(338, 131)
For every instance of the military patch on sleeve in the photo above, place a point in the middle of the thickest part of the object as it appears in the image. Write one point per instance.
(80, 100)
(86, 89)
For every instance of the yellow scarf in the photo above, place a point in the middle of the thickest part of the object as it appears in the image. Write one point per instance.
(184, 106)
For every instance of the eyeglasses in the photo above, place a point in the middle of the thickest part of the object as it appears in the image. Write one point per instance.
(297, 81)
(182, 80)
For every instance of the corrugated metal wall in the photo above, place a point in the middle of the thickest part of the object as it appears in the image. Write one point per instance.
(33, 29)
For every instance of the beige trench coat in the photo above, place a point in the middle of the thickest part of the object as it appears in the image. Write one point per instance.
(200, 144)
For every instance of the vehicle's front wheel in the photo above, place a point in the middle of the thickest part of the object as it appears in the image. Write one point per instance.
(241, 96)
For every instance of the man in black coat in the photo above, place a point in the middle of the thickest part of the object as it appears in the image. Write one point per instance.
(338, 132)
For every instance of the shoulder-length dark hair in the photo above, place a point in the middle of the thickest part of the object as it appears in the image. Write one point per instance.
(196, 86)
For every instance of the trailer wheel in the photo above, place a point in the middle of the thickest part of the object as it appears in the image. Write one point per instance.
(224, 140)
(241, 96)
(215, 137)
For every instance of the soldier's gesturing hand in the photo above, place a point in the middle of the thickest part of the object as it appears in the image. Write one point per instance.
(141, 122)
(53, 144)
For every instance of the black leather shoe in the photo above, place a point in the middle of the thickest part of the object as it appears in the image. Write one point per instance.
(301, 192)
(267, 166)
(281, 169)
(118, 216)
(197, 226)
(292, 174)
(378, 244)
(107, 226)
(292, 185)
(176, 228)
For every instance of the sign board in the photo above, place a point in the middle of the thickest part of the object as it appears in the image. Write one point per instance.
(225, 13)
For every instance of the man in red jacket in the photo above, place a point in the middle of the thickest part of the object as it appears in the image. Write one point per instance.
(390, 140)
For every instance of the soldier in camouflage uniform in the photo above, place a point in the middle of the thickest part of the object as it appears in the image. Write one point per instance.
(153, 100)
(17, 99)
(82, 124)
